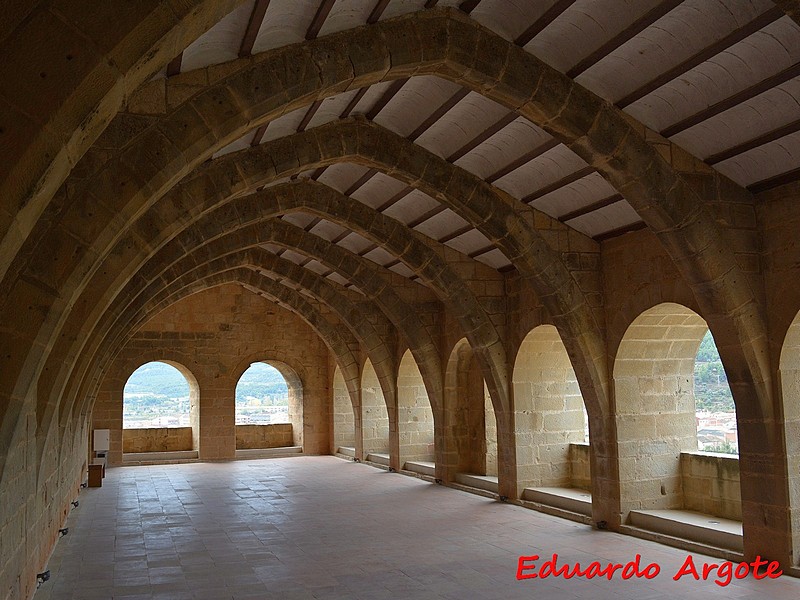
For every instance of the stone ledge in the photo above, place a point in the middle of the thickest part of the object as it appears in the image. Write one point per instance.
(482, 482)
(568, 499)
(347, 451)
(707, 530)
(380, 458)
(420, 466)
(150, 458)
(246, 453)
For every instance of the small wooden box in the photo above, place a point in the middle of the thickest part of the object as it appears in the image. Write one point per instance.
(97, 470)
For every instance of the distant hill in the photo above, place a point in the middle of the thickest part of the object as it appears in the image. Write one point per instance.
(157, 388)
(260, 380)
(711, 391)
(157, 379)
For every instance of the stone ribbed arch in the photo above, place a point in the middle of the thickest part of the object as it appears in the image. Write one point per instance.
(87, 73)
(367, 274)
(339, 340)
(243, 215)
(356, 313)
(166, 148)
(255, 91)
(353, 311)
(442, 43)
(286, 198)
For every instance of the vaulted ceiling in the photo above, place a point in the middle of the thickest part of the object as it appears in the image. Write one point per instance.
(719, 78)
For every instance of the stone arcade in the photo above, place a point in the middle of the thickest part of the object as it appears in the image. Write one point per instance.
(453, 226)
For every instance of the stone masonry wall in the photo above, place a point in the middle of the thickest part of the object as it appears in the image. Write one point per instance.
(711, 484)
(157, 439)
(580, 466)
(216, 335)
(415, 418)
(275, 435)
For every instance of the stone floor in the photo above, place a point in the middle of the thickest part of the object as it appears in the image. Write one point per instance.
(320, 527)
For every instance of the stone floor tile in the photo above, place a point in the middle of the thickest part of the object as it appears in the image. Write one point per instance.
(320, 528)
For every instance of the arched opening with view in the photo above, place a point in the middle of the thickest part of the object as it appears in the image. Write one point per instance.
(716, 413)
(269, 407)
(344, 420)
(662, 473)
(415, 416)
(161, 412)
(471, 427)
(549, 422)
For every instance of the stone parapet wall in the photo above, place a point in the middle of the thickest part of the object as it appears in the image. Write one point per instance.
(711, 484)
(580, 466)
(274, 435)
(157, 439)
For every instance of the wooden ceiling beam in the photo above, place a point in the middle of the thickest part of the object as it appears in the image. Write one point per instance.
(482, 136)
(258, 136)
(623, 36)
(386, 97)
(312, 110)
(550, 15)
(360, 182)
(755, 142)
(253, 26)
(467, 6)
(353, 102)
(174, 66)
(377, 11)
(481, 251)
(454, 234)
(319, 19)
(702, 56)
(556, 185)
(590, 208)
(637, 226)
(443, 109)
(523, 160)
(425, 216)
(731, 101)
(773, 182)
(396, 198)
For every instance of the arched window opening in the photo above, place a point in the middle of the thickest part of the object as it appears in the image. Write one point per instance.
(550, 418)
(269, 407)
(659, 463)
(262, 396)
(716, 413)
(156, 395)
(160, 411)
